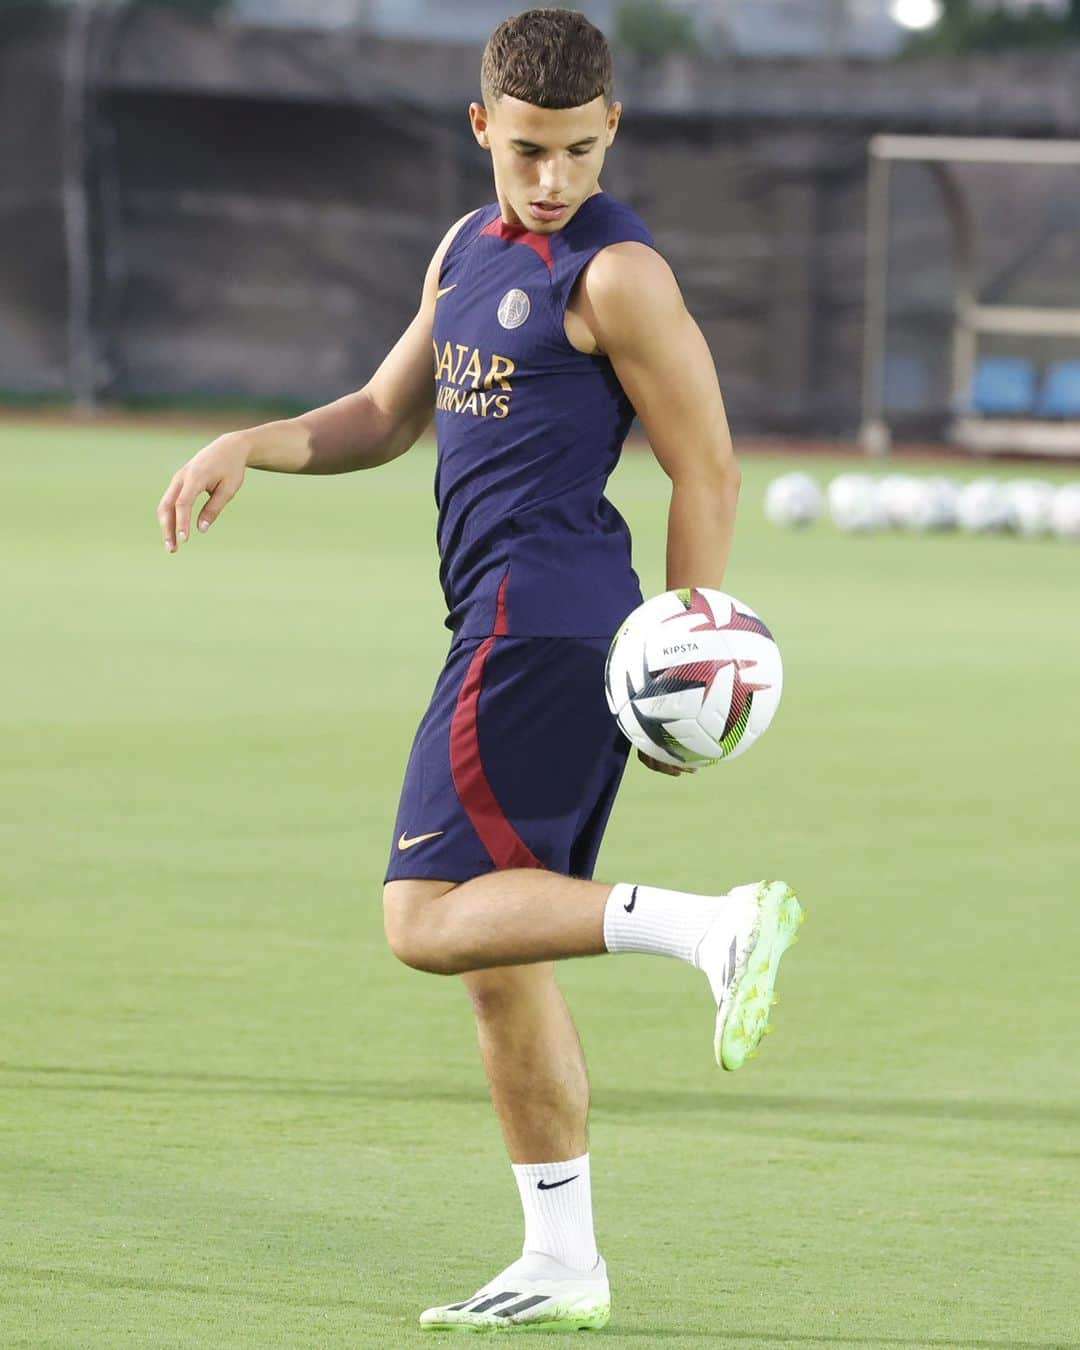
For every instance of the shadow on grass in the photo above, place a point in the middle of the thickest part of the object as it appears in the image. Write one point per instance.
(608, 1102)
(89, 1279)
(794, 1338)
(48, 1275)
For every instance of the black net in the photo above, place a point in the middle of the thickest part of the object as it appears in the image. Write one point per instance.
(244, 213)
(33, 271)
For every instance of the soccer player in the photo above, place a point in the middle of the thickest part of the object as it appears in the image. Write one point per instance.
(547, 320)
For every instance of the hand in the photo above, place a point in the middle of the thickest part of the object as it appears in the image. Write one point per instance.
(659, 767)
(217, 469)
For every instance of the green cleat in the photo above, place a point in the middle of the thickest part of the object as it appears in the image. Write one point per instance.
(743, 971)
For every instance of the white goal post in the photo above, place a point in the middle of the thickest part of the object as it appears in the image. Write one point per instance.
(972, 318)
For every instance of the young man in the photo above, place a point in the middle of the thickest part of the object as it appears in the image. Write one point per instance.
(552, 319)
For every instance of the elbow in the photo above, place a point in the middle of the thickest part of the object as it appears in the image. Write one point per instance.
(720, 480)
(725, 477)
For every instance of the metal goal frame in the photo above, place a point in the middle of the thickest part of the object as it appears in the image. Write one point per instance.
(971, 318)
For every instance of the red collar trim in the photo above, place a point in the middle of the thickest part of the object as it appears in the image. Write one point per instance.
(518, 234)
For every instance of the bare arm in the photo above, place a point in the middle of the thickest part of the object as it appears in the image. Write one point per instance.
(360, 431)
(632, 303)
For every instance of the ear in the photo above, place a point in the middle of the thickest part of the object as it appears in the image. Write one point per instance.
(478, 116)
(614, 114)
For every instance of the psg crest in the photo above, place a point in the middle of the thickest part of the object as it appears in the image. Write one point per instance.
(513, 309)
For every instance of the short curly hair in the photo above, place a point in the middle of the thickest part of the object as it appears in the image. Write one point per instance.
(551, 58)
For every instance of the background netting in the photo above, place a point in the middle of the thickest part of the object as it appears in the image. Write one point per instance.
(1011, 232)
(258, 208)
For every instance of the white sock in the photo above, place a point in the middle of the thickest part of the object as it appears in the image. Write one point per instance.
(658, 922)
(557, 1200)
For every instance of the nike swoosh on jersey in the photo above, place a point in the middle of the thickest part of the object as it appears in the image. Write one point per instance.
(404, 842)
(438, 295)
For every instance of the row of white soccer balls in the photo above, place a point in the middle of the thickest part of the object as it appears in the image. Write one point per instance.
(858, 502)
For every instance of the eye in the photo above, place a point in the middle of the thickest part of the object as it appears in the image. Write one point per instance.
(578, 153)
(528, 154)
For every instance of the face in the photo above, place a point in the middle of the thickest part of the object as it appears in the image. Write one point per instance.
(547, 161)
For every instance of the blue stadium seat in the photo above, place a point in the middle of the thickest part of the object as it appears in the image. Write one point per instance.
(1003, 386)
(1060, 394)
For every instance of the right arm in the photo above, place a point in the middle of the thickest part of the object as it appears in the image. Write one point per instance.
(360, 431)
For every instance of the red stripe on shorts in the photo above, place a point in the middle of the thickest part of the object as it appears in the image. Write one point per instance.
(497, 835)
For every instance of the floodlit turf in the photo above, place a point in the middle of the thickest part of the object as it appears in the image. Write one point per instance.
(228, 1118)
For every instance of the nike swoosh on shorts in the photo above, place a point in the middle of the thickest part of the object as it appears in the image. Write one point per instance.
(404, 842)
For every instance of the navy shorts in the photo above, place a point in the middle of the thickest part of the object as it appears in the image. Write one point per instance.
(516, 762)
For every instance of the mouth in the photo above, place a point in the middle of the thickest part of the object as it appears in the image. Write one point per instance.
(544, 210)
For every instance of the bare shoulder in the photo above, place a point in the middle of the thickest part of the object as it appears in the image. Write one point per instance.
(627, 289)
(627, 272)
(431, 279)
(451, 234)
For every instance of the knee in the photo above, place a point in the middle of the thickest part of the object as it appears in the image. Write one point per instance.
(410, 923)
(494, 993)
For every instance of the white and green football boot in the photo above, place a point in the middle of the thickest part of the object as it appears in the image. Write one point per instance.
(742, 967)
(536, 1293)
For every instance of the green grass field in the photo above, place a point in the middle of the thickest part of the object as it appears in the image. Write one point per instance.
(229, 1118)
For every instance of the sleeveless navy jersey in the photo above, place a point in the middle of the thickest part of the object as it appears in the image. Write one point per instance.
(529, 429)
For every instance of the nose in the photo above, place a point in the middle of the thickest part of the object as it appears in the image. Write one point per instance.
(552, 182)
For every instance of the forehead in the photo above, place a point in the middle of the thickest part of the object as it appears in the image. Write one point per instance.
(549, 126)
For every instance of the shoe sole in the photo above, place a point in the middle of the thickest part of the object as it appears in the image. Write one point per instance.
(593, 1321)
(746, 1016)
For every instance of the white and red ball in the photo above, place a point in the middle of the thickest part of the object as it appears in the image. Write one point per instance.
(693, 677)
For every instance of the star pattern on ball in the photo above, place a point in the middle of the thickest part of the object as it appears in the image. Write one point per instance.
(695, 674)
(697, 602)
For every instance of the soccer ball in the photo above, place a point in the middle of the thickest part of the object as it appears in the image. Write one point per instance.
(931, 505)
(693, 677)
(793, 499)
(981, 506)
(1029, 501)
(914, 503)
(945, 494)
(854, 503)
(896, 493)
(1065, 512)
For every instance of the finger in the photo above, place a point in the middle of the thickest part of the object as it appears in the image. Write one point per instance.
(219, 499)
(658, 766)
(166, 513)
(184, 504)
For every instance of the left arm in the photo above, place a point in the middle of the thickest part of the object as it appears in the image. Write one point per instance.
(632, 303)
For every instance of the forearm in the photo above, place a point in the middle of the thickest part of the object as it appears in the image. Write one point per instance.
(701, 526)
(339, 437)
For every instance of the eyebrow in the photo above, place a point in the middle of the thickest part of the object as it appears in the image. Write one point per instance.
(531, 145)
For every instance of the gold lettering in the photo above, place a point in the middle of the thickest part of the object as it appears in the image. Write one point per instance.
(461, 350)
(444, 363)
(502, 406)
(470, 405)
(501, 366)
(474, 371)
